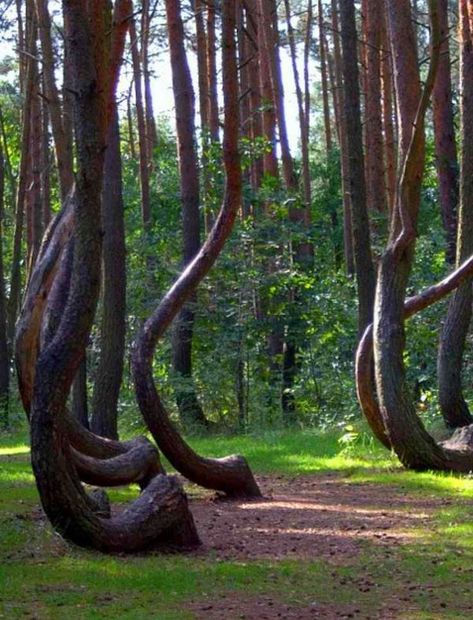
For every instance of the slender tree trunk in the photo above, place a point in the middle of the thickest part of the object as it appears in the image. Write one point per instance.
(390, 159)
(62, 145)
(232, 474)
(184, 102)
(376, 196)
(45, 166)
(444, 132)
(347, 226)
(212, 71)
(113, 326)
(323, 74)
(33, 195)
(300, 105)
(151, 132)
(15, 277)
(142, 136)
(4, 354)
(365, 275)
(453, 405)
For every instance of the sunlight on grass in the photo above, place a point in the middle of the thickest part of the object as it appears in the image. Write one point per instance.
(13, 450)
(44, 577)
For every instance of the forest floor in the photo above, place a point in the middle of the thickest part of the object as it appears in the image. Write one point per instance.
(338, 534)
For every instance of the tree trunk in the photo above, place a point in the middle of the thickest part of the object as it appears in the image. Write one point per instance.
(390, 159)
(113, 326)
(453, 405)
(376, 197)
(409, 439)
(231, 474)
(4, 353)
(151, 132)
(212, 72)
(142, 136)
(347, 227)
(365, 275)
(301, 111)
(161, 514)
(15, 277)
(62, 145)
(189, 407)
(444, 133)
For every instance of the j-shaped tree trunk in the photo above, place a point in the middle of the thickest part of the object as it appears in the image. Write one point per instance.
(184, 102)
(231, 474)
(161, 514)
(453, 405)
(414, 446)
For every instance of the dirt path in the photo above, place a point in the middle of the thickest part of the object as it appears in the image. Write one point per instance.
(308, 518)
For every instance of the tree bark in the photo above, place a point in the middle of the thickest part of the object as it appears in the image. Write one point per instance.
(376, 197)
(113, 326)
(62, 145)
(444, 134)
(232, 474)
(365, 275)
(161, 513)
(142, 136)
(4, 353)
(184, 103)
(347, 226)
(453, 405)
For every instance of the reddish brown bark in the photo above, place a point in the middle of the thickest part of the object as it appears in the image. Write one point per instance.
(141, 121)
(161, 513)
(390, 159)
(347, 226)
(365, 275)
(232, 474)
(184, 103)
(373, 112)
(444, 133)
(62, 145)
(214, 123)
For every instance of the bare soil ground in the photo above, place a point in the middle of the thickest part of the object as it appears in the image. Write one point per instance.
(308, 518)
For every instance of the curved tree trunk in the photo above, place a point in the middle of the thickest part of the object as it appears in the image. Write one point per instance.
(414, 446)
(161, 513)
(232, 474)
(364, 356)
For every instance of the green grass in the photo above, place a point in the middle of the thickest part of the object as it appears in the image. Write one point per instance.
(43, 577)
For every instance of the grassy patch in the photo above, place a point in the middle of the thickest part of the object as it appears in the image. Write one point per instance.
(428, 577)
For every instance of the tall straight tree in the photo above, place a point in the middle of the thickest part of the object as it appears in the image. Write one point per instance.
(184, 102)
(342, 132)
(4, 356)
(142, 134)
(444, 133)
(373, 125)
(113, 325)
(365, 276)
(453, 405)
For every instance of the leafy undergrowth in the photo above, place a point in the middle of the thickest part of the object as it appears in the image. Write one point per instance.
(421, 571)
